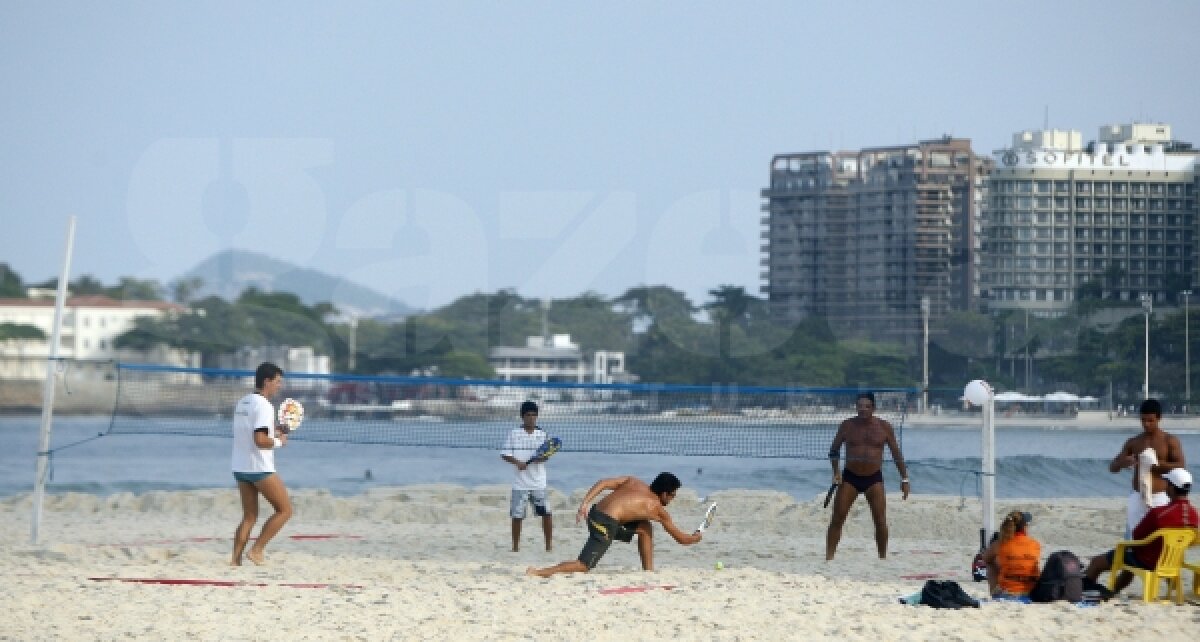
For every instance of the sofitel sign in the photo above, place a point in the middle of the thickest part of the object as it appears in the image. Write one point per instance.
(1052, 157)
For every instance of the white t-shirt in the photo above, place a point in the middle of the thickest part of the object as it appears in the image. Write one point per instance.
(521, 445)
(251, 412)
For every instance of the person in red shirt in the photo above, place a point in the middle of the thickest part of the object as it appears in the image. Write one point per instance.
(1179, 512)
(1012, 559)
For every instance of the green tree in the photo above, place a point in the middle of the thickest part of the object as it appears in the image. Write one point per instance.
(9, 331)
(131, 289)
(11, 286)
(184, 290)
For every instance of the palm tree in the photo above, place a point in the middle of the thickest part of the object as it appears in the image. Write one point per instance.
(730, 305)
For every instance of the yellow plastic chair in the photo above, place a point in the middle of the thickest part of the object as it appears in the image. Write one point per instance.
(1170, 563)
(1194, 567)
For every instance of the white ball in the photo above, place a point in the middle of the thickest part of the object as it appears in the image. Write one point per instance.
(978, 392)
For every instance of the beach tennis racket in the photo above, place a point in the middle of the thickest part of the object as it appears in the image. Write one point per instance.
(545, 451)
(709, 516)
(829, 495)
(291, 414)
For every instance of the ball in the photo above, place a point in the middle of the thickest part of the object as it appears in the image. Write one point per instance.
(720, 565)
(978, 392)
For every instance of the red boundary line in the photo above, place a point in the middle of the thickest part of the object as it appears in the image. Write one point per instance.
(185, 581)
(622, 590)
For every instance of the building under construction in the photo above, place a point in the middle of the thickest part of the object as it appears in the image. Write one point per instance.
(861, 237)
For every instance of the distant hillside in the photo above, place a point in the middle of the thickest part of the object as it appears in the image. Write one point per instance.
(227, 274)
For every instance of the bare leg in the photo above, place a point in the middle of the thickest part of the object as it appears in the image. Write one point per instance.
(241, 535)
(1123, 581)
(516, 534)
(1100, 564)
(548, 531)
(877, 499)
(645, 538)
(842, 501)
(570, 566)
(276, 493)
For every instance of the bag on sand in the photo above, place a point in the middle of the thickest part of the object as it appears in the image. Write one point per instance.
(1061, 579)
(946, 595)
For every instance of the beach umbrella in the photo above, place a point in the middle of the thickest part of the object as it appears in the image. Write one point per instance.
(1065, 397)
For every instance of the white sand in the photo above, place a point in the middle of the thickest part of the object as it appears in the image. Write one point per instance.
(432, 562)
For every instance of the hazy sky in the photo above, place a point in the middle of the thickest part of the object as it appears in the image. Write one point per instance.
(433, 150)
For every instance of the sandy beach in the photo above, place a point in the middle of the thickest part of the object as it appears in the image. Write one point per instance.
(432, 562)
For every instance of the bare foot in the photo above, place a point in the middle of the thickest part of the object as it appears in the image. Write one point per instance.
(533, 572)
(256, 557)
(236, 563)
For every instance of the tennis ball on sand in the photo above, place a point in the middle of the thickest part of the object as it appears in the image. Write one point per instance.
(720, 565)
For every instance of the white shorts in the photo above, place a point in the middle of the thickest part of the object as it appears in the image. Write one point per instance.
(1136, 509)
(516, 505)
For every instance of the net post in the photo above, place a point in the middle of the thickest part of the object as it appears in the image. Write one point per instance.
(43, 453)
(988, 460)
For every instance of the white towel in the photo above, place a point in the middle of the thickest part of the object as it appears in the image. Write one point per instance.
(1147, 459)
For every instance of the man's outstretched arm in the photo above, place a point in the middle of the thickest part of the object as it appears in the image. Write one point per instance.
(687, 539)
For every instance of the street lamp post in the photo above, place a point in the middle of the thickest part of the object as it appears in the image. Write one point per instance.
(1147, 307)
(1187, 352)
(353, 343)
(925, 355)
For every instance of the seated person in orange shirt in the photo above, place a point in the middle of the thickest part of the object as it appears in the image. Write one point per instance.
(1012, 559)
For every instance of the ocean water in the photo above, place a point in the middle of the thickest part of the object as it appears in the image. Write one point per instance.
(1033, 463)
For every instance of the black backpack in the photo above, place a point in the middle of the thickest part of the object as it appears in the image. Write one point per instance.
(1061, 579)
(946, 594)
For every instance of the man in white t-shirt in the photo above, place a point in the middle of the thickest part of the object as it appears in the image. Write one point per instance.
(255, 439)
(529, 484)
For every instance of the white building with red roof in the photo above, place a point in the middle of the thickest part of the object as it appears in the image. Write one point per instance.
(90, 327)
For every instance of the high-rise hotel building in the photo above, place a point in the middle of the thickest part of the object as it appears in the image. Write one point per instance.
(1119, 212)
(861, 237)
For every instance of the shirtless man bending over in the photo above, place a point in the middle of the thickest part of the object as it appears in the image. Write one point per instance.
(626, 511)
(864, 436)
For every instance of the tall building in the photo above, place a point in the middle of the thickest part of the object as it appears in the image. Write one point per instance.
(1118, 213)
(860, 237)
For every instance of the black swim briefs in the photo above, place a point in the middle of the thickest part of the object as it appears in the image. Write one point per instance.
(862, 482)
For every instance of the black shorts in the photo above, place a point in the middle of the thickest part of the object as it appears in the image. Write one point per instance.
(1131, 560)
(602, 530)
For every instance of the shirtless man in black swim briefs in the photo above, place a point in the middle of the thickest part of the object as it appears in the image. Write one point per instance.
(864, 436)
(626, 511)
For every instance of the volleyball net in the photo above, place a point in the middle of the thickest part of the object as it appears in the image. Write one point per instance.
(462, 413)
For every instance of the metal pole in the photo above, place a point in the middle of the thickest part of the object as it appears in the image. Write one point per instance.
(1027, 368)
(925, 355)
(1148, 307)
(353, 343)
(43, 453)
(1187, 352)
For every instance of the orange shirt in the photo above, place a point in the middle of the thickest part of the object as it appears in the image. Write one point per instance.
(1018, 559)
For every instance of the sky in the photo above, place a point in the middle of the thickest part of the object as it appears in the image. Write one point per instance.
(434, 150)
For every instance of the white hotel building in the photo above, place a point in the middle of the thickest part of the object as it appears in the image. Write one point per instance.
(557, 359)
(1120, 212)
(90, 327)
